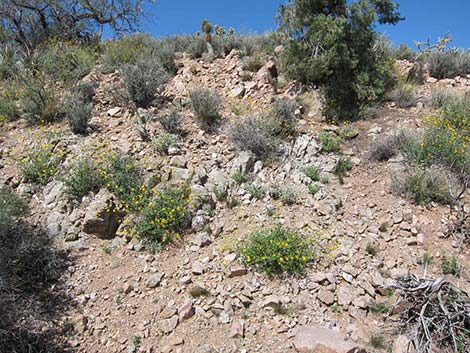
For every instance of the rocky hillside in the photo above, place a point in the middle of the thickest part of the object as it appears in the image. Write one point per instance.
(198, 293)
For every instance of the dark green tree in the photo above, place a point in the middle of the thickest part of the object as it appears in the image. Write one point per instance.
(333, 44)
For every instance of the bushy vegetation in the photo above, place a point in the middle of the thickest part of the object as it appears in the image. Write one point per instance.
(163, 215)
(82, 178)
(446, 138)
(404, 95)
(12, 210)
(277, 251)
(342, 167)
(404, 52)
(64, 62)
(8, 107)
(284, 114)
(143, 79)
(206, 105)
(41, 163)
(28, 268)
(164, 141)
(335, 46)
(330, 142)
(124, 179)
(240, 177)
(424, 186)
(78, 112)
(255, 134)
(171, 122)
(313, 172)
(448, 64)
(450, 266)
(390, 146)
(128, 50)
(40, 103)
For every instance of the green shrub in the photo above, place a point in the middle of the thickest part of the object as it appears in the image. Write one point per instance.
(404, 95)
(330, 142)
(342, 167)
(313, 172)
(163, 142)
(390, 146)
(66, 63)
(240, 177)
(256, 134)
(284, 115)
(123, 178)
(288, 196)
(7, 61)
(40, 165)
(171, 122)
(313, 188)
(165, 54)
(277, 251)
(378, 341)
(40, 104)
(448, 64)
(444, 98)
(336, 47)
(143, 79)
(197, 48)
(78, 113)
(12, 210)
(255, 191)
(8, 108)
(82, 178)
(371, 249)
(163, 216)
(404, 52)
(446, 139)
(450, 266)
(253, 63)
(127, 50)
(206, 106)
(424, 186)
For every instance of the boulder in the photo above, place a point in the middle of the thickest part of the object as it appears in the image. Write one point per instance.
(316, 339)
(102, 217)
(244, 162)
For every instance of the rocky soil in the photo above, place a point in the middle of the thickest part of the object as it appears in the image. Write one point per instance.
(196, 296)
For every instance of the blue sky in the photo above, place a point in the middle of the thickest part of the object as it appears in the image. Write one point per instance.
(424, 18)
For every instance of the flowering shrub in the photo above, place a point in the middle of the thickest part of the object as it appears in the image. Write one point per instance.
(123, 178)
(163, 215)
(82, 178)
(277, 250)
(447, 138)
(41, 163)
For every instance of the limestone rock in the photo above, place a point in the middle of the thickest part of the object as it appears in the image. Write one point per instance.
(315, 339)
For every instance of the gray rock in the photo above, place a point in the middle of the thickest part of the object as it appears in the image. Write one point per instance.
(202, 239)
(154, 281)
(199, 222)
(237, 92)
(244, 162)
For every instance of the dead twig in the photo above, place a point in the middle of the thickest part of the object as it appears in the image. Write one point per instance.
(437, 311)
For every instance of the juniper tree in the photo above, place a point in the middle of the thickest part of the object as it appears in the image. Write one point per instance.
(333, 44)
